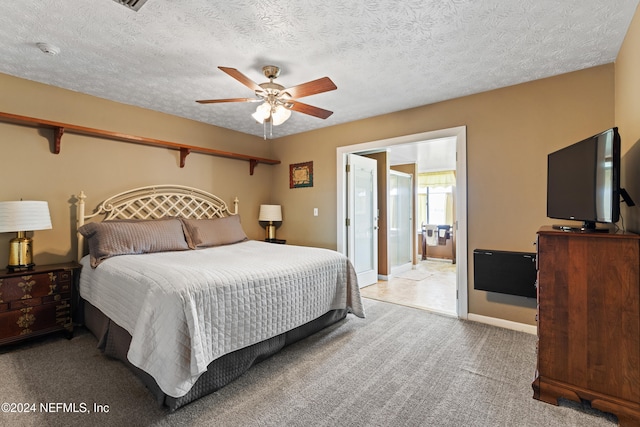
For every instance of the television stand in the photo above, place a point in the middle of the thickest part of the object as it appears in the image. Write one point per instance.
(589, 321)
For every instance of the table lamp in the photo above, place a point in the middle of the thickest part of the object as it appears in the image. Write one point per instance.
(22, 216)
(270, 213)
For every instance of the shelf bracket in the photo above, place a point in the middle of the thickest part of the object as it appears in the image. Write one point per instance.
(252, 165)
(184, 152)
(58, 131)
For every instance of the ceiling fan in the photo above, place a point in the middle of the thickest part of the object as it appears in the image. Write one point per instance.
(278, 101)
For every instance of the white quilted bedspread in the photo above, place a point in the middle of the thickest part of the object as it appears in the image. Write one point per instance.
(185, 309)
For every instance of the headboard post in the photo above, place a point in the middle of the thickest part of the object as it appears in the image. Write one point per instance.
(80, 223)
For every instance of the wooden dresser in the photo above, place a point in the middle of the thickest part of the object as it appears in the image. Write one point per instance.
(589, 321)
(37, 302)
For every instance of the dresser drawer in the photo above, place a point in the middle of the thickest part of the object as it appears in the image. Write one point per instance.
(32, 302)
(63, 276)
(30, 286)
(22, 303)
(32, 320)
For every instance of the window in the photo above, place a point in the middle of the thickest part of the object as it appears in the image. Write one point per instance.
(435, 198)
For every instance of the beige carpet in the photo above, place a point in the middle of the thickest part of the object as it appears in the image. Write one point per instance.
(398, 367)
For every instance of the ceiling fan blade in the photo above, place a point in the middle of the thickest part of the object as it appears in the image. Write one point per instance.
(311, 88)
(241, 78)
(217, 101)
(310, 110)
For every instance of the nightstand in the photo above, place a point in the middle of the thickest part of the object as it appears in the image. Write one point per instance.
(37, 302)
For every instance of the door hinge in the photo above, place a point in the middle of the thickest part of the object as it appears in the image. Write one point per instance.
(348, 168)
(348, 222)
(457, 297)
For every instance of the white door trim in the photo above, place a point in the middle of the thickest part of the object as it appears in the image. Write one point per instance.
(460, 133)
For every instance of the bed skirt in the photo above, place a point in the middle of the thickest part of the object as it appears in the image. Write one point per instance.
(114, 341)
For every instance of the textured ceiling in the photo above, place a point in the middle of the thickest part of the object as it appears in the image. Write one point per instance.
(384, 55)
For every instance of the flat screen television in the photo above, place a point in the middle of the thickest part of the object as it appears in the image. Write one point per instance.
(583, 182)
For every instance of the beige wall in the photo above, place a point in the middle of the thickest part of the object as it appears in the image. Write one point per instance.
(101, 167)
(627, 115)
(510, 131)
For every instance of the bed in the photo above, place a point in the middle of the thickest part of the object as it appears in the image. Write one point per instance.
(172, 286)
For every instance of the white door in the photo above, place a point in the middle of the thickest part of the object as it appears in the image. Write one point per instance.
(400, 232)
(362, 217)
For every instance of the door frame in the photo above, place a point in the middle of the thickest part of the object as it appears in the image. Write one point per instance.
(460, 133)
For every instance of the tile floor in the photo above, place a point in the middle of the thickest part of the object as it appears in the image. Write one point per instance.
(431, 286)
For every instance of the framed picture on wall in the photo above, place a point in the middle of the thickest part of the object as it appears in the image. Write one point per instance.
(301, 175)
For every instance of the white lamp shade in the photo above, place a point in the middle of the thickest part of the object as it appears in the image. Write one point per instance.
(270, 213)
(262, 112)
(280, 115)
(277, 114)
(24, 215)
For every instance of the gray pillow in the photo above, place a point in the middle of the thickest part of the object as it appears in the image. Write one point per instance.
(111, 238)
(204, 233)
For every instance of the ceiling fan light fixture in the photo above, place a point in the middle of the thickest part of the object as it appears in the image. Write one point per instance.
(266, 112)
(279, 115)
(263, 112)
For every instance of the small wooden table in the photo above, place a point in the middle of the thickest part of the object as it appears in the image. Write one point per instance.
(37, 302)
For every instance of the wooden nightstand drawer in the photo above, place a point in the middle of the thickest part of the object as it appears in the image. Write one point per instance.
(64, 277)
(56, 297)
(16, 324)
(32, 302)
(22, 303)
(27, 286)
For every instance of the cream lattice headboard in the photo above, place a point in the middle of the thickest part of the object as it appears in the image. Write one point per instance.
(155, 202)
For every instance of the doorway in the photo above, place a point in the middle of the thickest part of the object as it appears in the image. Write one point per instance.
(460, 225)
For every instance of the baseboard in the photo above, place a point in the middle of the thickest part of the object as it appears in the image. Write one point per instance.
(502, 323)
(448, 260)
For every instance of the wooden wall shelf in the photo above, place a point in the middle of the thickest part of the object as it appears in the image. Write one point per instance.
(60, 128)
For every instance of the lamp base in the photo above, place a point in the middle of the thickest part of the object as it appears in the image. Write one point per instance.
(271, 232)
(20, 250)
(14, 268)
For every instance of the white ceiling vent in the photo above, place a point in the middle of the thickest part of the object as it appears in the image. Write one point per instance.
(132, 4)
